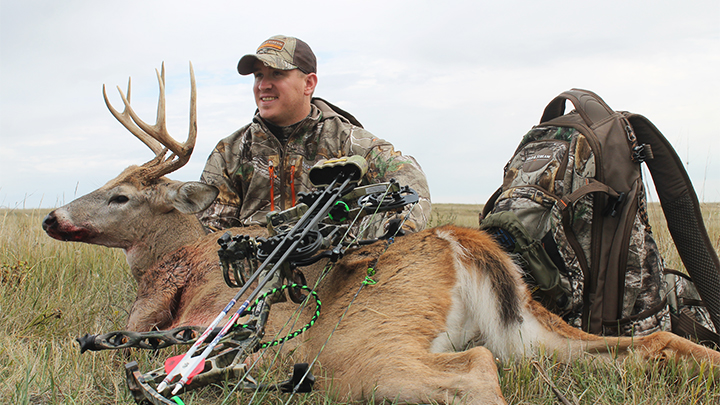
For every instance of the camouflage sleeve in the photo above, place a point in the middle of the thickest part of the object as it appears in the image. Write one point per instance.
(385, 163)
(224, 211)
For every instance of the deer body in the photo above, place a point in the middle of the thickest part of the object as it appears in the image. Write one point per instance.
(447, 302)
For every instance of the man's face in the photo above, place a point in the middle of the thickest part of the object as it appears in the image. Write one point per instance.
(282, 96)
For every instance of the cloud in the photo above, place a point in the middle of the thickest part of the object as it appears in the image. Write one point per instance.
(455, 84)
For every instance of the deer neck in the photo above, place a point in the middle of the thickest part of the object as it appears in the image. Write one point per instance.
(161, 240)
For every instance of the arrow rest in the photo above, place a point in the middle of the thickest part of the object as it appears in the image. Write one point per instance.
(391, 201)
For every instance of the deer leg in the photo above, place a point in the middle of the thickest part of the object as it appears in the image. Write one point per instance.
(571, 343)
(156, 304)
(659, 346)
(151, 314)
(468, 377)
(663, 346)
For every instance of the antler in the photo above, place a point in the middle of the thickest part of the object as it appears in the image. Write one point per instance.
(156, 137)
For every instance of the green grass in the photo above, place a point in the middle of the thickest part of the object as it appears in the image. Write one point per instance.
(52, 292)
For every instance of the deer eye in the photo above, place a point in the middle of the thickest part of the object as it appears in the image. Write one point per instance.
(119, 199)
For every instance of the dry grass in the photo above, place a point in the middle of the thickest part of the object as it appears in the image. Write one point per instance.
(52, 292)
(458, 214)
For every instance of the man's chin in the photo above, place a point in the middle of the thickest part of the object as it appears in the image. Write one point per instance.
(268, 115)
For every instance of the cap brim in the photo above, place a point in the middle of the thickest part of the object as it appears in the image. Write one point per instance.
(246, 65)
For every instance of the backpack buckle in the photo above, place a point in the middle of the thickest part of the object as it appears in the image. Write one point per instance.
(641, 153)
(613, 209)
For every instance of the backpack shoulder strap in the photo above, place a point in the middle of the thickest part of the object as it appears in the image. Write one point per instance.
(490, 204)
(589, 105)
(330, 109)
(682, 212)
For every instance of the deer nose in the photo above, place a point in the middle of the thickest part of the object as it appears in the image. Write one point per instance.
(49, 222)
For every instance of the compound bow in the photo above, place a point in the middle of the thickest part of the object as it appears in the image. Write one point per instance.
(314, 229)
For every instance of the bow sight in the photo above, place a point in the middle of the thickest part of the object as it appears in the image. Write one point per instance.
(316, 228)
(239, 254)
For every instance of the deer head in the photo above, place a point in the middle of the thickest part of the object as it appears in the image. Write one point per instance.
(140, 211)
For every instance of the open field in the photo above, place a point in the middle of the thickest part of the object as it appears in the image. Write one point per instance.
(52, 292)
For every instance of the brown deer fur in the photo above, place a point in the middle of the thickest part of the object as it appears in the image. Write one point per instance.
(447, 303)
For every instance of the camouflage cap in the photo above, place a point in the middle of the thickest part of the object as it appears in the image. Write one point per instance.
(283, 53)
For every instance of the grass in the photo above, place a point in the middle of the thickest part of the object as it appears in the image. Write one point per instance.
(52, 292)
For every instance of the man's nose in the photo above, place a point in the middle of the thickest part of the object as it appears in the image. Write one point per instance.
(264, 83)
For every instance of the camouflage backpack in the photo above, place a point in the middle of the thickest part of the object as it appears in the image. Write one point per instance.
(572, 208)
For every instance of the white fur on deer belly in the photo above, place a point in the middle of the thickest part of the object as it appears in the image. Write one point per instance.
(474, 318)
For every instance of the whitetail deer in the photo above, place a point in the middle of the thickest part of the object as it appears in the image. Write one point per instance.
(447, 303)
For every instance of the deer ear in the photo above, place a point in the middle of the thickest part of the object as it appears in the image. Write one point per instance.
(192, 197)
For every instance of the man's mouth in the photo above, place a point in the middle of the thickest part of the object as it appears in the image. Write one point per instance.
(268, 98)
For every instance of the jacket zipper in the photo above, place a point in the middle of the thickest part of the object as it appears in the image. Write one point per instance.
(271, 171)
(280, 169)
(292, 184)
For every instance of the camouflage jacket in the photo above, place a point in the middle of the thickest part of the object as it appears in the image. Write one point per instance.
(242, 165)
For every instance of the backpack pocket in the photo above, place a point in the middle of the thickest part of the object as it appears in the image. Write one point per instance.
(528, 224)
(690, 318)
(539, 163)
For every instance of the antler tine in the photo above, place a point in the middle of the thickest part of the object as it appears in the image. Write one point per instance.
(125, 119)
(156, 136)
(192, 131)
(159, 130)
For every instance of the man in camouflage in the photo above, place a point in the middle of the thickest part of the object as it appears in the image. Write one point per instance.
(262, 166)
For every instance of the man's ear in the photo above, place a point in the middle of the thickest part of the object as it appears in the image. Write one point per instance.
(311, 81)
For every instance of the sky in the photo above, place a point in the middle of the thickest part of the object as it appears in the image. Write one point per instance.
(456, 84)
